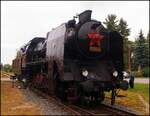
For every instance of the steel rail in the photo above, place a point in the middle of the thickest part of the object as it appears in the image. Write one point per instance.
(76, 110)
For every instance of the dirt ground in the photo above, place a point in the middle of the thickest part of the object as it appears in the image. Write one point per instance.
(15, 103)
(5, 74)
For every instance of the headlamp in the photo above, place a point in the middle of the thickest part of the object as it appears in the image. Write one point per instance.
(125, 74)
(85, 73)
(24, 80)
(115, 73)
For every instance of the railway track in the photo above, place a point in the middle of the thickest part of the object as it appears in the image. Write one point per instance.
(6, 74)
(103, 109)
(106, 110)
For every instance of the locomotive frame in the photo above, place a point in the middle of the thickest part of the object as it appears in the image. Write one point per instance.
(55, 65)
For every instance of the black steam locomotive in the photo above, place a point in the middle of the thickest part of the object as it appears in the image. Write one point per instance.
(76, 61)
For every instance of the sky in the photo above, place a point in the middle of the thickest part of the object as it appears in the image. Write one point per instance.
(21, 21)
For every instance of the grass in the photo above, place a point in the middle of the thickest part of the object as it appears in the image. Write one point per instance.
(142, 89)
(130, 98)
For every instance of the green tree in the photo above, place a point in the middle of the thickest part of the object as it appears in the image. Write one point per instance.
(141, 52)
(7, 68)
(111, 22)
(148, 36)
(123, 29)
(1, 66)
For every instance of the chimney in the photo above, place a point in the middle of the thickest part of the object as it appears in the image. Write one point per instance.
(85, 16)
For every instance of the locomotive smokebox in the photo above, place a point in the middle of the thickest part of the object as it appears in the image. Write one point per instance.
(87, 86)
(85, 16)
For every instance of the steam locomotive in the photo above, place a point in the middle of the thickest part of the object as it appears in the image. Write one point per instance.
(76, 61)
